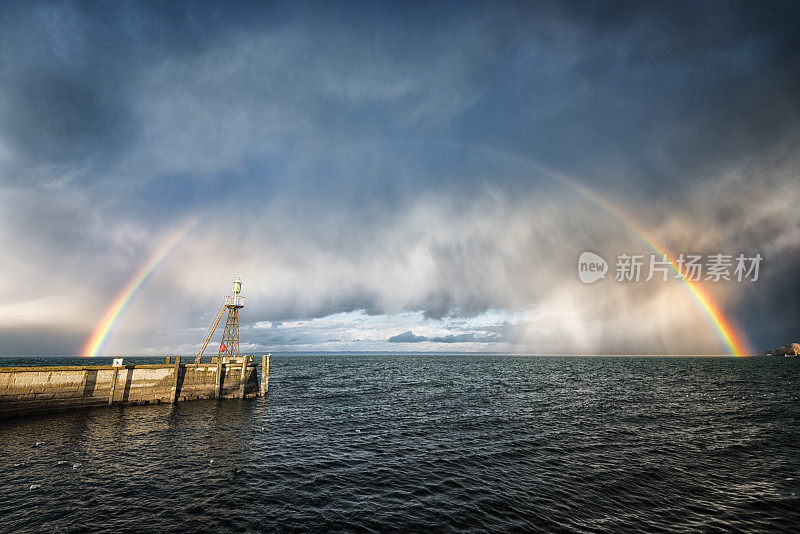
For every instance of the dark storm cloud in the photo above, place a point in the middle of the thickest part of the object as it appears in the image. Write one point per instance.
(772, 309)
(352, 157)
(644, 94)
(58, 117)
(668, 89)
(70, 69)
(63, 94)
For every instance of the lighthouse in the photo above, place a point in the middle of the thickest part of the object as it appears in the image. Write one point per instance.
(229, 346)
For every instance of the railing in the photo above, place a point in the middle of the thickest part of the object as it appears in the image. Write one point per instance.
(235, 300)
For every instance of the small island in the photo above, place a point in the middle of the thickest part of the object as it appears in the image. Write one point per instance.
(790, 351)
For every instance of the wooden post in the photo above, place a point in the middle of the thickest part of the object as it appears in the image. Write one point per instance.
(176, 372)
(113, 385)
(242, 377)
(218, 385)
(264, 374)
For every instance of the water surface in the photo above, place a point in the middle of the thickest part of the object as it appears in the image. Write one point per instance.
(412, 442)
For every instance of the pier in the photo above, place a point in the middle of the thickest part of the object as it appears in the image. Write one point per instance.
(31, 390)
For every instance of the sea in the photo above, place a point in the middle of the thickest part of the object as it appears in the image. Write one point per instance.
(421, 443)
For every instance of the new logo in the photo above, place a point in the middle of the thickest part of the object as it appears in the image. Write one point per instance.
(591, 267)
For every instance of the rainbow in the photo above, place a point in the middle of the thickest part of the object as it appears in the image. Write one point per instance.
(735, 342)
(123, 298)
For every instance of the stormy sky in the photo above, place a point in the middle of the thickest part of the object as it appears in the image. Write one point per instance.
(390, 176)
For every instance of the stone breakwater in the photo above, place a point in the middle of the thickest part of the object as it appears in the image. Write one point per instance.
(29, 390)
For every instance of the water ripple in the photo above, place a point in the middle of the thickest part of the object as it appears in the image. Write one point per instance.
(372, 443)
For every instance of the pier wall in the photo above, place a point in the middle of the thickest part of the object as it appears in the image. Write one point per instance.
(27, 390)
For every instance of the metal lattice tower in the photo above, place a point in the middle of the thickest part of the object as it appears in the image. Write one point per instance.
(230, 336)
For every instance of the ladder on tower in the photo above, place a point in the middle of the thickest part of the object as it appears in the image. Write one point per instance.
(211, 329)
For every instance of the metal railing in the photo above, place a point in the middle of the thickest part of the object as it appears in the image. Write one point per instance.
(235, 300)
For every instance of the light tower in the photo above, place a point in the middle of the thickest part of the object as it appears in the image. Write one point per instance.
(229, 347)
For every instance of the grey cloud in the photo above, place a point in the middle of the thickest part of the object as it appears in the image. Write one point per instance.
(57, 117)
(406, 337)
(409, 337)
(357, 159)
(647, 95)
(45, 340)
(464, 338)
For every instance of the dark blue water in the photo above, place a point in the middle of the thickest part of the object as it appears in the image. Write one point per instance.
(418, 443)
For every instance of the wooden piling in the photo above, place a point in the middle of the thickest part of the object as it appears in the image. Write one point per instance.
(176, 373)
(242, 377)
(264, 374)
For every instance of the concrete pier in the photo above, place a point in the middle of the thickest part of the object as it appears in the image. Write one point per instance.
(27, 390)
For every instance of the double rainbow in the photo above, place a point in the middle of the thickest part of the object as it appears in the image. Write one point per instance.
(100, 335)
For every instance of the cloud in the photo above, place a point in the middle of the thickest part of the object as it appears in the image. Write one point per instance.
(366, 173)
(406, 337)
(409, 337)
